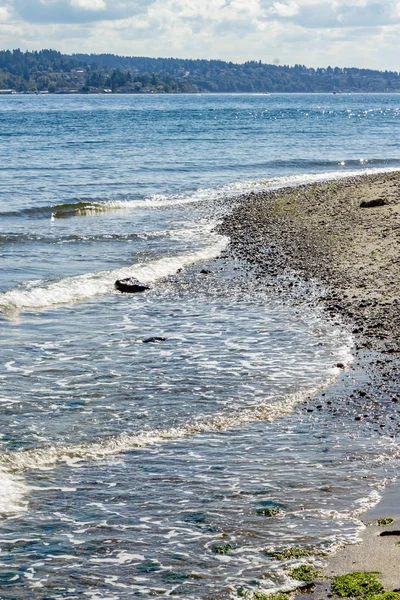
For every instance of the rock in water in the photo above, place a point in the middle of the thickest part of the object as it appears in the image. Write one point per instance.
(130, 285)
(154, 340)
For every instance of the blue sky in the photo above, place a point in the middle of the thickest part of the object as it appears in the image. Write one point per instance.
(362, 33)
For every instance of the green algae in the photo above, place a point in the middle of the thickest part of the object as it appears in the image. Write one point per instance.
(385, 521)
(269, 512)
(357, 585)
(306, 573)
(262, 596)
(386, 596)
(292, 552)
(223, 549)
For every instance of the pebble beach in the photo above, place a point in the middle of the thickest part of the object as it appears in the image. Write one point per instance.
(343, 236)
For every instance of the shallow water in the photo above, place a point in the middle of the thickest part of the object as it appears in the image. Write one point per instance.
(125, 464)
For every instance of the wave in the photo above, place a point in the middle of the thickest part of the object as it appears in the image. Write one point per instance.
(97, 207)
(276, 183)
(27, 238)
(231, 190)
(40, 295)
(21, 460)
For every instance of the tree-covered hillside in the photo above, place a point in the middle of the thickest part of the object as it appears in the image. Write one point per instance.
(51, 71)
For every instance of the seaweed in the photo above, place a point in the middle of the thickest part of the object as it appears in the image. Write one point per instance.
(224, 549)
(386, 596)
(269, 512)
(262, 596)
(357, 585)
(385, 521)
(306, 573)
(292, 552)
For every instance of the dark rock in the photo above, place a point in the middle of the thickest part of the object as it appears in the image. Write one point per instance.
(340, 365)
(130, 285)
(373, 202)
(205, 271)
(154, 340)
(395, 532)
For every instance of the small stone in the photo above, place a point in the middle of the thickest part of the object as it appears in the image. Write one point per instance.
(372, 203)
(130, 285)
(154, 340)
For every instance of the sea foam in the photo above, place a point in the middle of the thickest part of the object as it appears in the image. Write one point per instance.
(44, 295)
(12, 493)
(21, 460)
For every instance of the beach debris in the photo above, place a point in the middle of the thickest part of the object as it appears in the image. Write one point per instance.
(131, 285)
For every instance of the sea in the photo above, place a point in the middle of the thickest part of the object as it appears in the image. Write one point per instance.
(153, 444)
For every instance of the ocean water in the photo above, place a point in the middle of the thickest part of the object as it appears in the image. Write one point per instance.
(127, 465)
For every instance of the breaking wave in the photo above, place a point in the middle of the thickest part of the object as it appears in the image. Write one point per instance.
(40, 295)
(94, 207)
(44, 457)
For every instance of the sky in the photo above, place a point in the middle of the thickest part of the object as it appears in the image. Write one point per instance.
(359, 33)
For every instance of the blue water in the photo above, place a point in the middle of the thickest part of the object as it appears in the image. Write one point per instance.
(124, 464)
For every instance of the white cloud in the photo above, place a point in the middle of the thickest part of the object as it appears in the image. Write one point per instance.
(312, 32)
(89, 4)
(285, 10)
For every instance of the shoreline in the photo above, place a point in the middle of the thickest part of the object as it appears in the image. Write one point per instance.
(343, 236)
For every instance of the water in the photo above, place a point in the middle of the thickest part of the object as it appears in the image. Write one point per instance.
(125, 464)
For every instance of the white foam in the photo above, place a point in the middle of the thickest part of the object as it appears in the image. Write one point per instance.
(230, 190)
(84, 287)
(276, 183)
(12, 493)
(99, 450)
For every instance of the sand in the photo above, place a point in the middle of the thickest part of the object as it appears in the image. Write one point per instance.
(341, 238)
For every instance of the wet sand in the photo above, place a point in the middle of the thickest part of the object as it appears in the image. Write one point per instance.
(337, 244)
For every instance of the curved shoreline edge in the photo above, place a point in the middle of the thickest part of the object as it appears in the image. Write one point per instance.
(344, 236)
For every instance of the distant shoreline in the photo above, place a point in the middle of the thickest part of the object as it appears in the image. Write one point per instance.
(7, 93)
(56, 72)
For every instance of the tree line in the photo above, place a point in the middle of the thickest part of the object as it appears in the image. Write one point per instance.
(54, 72)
